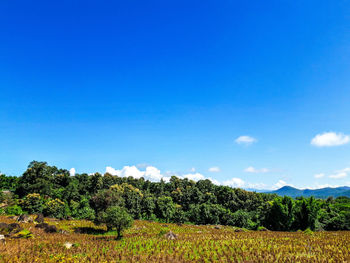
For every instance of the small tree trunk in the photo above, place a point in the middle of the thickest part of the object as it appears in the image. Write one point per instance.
(119, 232)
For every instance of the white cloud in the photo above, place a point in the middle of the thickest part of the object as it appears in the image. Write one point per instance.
(251, 169)
(166, 179)
(214, 169)
(153, 173)
(193, 170)
(246, 140)
(328, 139)
(320, 175)
(194, 177)
(234, 182)
(112, 171)
(126, 171)
(72, 171)
(216, 182)
(338, 175)
(280, 184)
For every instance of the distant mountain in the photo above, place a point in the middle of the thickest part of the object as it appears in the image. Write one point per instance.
(318, 193)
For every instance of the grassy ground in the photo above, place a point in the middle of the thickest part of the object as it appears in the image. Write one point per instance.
(145, 242)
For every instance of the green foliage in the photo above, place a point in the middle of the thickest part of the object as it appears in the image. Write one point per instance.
(23, 234)
(306, 214)
(82, 210)
(32, 203)
(55, 208)
(281, 214)
(14, 210)
(117, 218)
(106, 198)
(52, 191)
(8, 182)
(308, 231)
(242, 219)
(148, 205)
(165, 208)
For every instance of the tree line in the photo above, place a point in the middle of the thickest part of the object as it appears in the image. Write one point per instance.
(102, 198)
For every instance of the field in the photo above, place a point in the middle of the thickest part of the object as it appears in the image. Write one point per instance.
(145, 242)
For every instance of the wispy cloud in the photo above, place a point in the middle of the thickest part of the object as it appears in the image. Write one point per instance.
(251, 169)
(329, 139)
(340, 173)
(320, 175)
(214, 169)
(245, 140)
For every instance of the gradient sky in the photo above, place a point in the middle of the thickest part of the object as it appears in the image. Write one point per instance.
(173, 84)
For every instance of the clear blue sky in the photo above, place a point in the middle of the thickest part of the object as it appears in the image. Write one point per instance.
(173, 84)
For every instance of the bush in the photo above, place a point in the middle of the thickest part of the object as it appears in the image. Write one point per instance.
(14, 210)
(55, 208)
(262, 228)
(82, 210)
(116, 218)
(32, 203)
(308, 231)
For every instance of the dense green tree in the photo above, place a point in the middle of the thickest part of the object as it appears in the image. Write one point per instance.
(306, 215)
(86, 196)
(36, 179)
(241, 218)
(148, 206)
(55, 208)
(132, 197)
(106, 198)
(82, 210)
(165, 208)
(117, 218)
(32, 203)
(281, 214)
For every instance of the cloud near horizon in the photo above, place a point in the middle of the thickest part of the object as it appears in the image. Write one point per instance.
(329, 139)
(154, 174)
(280, 184)
(72, 171)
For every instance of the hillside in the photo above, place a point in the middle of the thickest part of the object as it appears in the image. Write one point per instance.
(318, 193)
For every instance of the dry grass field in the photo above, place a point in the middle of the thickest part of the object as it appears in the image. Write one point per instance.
(145, 242)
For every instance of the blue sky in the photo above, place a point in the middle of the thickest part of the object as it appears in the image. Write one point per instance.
(169, 86)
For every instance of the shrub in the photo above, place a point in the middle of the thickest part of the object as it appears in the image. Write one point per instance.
(14, 210)
(308, 231)
(55, 208)
(82, 210)
(116, 218)
(261, 228)
(32, 203)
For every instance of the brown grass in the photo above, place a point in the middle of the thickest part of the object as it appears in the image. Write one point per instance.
(145, 242)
